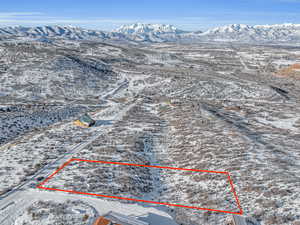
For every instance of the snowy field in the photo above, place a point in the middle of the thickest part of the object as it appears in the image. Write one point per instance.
(206, 107)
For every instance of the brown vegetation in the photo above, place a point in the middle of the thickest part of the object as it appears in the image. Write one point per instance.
(292, 71)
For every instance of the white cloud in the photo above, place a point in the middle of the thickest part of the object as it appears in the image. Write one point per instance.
(59, 21)
(18, 14)
(37, 18)
(185, 23)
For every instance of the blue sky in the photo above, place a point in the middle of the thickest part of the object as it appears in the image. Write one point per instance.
(185, 14)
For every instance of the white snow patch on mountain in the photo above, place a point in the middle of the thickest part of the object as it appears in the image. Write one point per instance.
(141, 28)
(141, 32)
(257, 33)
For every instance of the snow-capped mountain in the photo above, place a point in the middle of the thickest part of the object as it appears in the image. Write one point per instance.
(141, 28)
(135, 32)
(68, 32)
(139, 32)
(150, 32)
(235, 32)
(258, 33)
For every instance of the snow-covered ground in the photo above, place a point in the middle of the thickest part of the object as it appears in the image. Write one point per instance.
(86, 206)
(168, 105)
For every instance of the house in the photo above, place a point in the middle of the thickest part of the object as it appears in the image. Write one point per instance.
(113, 218)
(84, 121)
(103, 221)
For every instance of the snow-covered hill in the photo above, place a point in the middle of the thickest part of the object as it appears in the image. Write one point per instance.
(139, 32)
(258, 33)
(68, 32)
(150, 32)
(135, 32)
(140, 28)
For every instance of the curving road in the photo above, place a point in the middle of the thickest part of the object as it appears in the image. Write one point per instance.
(13, 202)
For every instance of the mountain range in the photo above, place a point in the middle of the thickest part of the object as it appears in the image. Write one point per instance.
(139, 32)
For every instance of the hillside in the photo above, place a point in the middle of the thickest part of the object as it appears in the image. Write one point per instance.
(157, 33)
(205, 106)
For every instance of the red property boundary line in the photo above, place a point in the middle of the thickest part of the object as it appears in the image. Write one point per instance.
(140, 200)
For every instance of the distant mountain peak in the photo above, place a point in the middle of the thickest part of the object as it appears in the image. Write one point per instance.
(143, 32)
(144, 28)
(277, 33)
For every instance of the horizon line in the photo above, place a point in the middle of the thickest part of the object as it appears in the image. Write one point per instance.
(128, 24)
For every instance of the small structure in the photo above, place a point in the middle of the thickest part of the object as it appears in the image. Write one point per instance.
(102, 221)
(113, 218)
(84, 121)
